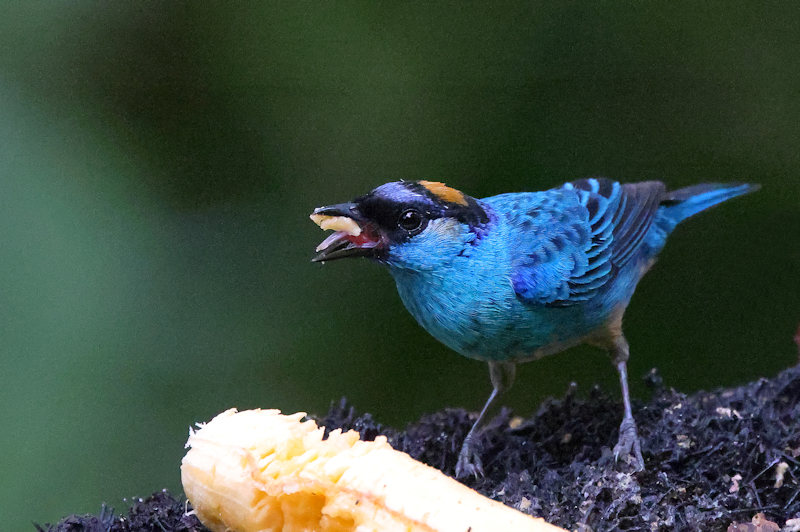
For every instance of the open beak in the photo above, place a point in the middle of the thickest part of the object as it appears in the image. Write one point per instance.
(353, 237)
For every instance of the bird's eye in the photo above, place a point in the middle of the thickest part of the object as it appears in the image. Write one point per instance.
(411, 220)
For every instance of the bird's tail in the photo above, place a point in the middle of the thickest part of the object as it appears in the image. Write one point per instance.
(685, 202)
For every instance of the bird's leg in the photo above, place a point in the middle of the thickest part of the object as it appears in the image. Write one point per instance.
(628, 437)
(469, 462)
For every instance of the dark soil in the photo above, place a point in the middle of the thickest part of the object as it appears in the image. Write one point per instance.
(160, 512)
(712, 460)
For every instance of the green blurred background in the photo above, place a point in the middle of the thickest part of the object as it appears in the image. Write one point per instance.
(158, 162)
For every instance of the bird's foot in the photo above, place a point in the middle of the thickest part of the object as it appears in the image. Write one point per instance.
(629, 441)
(469, 461)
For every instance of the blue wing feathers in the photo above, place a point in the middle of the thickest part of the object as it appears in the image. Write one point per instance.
(578, 237)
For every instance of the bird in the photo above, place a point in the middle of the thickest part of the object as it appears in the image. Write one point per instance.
(518, 276)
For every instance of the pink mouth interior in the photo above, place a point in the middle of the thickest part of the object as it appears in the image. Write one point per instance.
(364, 240)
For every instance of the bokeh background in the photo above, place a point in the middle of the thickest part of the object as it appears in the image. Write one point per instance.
(158, 161)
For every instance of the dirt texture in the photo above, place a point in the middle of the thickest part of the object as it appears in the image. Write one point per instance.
(160, 512)
(715, 461)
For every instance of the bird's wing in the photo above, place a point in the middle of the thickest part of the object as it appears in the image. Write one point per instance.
(571, 241)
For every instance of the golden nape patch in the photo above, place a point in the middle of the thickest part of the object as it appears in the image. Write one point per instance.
(337, 223)
(445, 193)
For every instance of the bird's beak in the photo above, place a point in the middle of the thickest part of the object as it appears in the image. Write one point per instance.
(354, 236)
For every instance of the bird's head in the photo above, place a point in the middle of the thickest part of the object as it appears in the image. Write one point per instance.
(414, 225)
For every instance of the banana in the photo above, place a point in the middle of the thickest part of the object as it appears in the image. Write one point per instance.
(261, 471)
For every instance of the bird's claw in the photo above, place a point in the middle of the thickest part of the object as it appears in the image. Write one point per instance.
(469, 462)
(629, 441)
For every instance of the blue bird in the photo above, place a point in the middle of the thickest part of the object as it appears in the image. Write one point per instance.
(518, 276)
